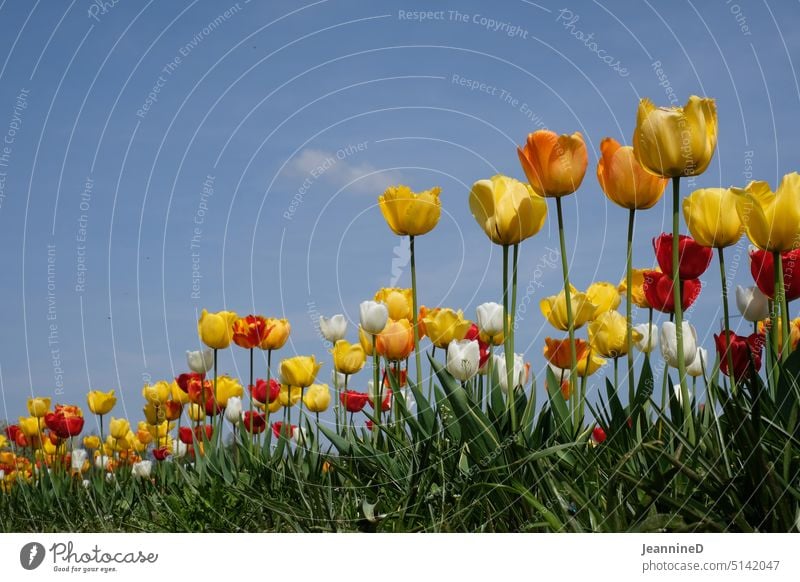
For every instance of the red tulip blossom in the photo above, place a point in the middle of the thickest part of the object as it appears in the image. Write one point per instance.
(658, 290)
(288, 431)
(199, 388)
(250, 331)
(762, 267)
(745, 352)
(12, 430)
(598, 435)
(212, 408)
(185, 435)
(254, 422)
(259, 391)
(369, 424)
(354, 401)
(185, 380)
(693, 258)
(65, 421)
(387, 400)
(198, 432)
(473, 333)
(401, 376)
(161, 453)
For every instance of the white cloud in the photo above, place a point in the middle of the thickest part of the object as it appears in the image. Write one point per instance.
(335, 168)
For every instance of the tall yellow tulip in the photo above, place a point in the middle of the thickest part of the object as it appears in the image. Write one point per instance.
(772, 219)
(554, 309)
(507, 210)
(156, 394)
(554, 164)
(300, 370)
(445, 325)
(410, 213)
(101, 402)
(317, 398)
(608, 335)
(398, 302)
(712, 218)
(216, 329)
(38, 406)
(348, 358)
(119, 428)
(227, 388)
(278, 334)
(604, 295)
(624, 181)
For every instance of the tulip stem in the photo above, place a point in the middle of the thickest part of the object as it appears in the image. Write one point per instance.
(252, 388)
(414, 314)
(676, 294)
(377, 388)
(780, 299)
(578, 414)
(507, 345)
(513, 325)
(726, 318)
(629, 308)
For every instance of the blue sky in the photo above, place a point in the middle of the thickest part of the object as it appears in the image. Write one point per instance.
(120, 117)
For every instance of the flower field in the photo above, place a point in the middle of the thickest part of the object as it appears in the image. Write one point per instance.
(432, 420)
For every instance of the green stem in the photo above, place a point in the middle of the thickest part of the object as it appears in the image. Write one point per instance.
(252, 388)
(570, 322)
(378, 389)
(415, 306)
(780, 290)
(676, 294)
(507, 345)
(628, 306)
(726, 318)
(513, 326)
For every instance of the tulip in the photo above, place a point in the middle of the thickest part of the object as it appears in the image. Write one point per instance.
(474, 334)
(374, 316)
(762, 268)
(386, 395)
(177, 393)
(143, 434)
(624, 181)
(101, 462)
(185, 435)
(771, 219)
(227, 388)
(200, 361)
(142, 469)
(250, 331)
(179, 450)
(669, 347)
(196, 412)
(279, 330)
(658, 290)
(78, 459)
(745, 352)
(216, 329)
(366, 340)
(398, 302)
(463, 359)
(233, 409)
(354, 401)
(589, 364)
(648, 337)
(507, 210)
(161, 453)
(490, 319)
(187, 382)
(604, 295)
(695, 369)
(557, 352)
(554, 309)
(348, 358)
(30, 426)
(752, 303)
(712, 218)
(554, 164)
(101, 403)
(38, 407)
(676, 141)
(694, 258)
(317, 398)
(396, 341)
(91, 442)
(157, 393)
(333, 329)
(300, 370)
(279, 428)
(410, 213)
(289, 396)
(445, 325)
(152, 413)
(517, 374)
(263, 389)
(638, 296)
(119, 427)
(598, 435)
(608, 335)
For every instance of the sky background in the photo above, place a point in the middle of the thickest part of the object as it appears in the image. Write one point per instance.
(151, 102)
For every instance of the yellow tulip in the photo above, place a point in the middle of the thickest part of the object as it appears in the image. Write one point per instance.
(348, 358)
(589, 364)
(554, 164)
(227, 388)
(554, 309)
(608, 335)
(274, 406)
(216, 329)
(196, 412)
(317, 398)
(91, 442)
(712, 218)
(153, 413)
(637, 283)
(410, 213)
(495, 340)
(676, 141)
(278, 334)
(159, 431)
(119, 427)
(3, 441)
(299, 370)
(604, 295)
(445, 325)
(365, 339)
(398, 302)
(507, 210)
(396, 341)
(772, 219)
(177, 394)
(38, 406)
(30, 426)
(624, 181)
(156, 394)
(101, 402)
(289, 395)
(144, 434)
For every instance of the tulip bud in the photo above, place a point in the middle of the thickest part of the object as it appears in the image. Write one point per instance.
(490, 318)
(141, 470)
(374, 316)
(233, 411)
(462, 359)
(669, 343)
(752, 303)
(695, 369)
(517, 376)
(200, 361)
(648, 340)
(333, 329)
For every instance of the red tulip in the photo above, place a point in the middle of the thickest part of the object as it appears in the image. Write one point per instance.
(198, 387)
(387, 400)
(12, 430)
(401, 377)
(65, 421)
(161, 453)
(693, 258)
(185, 435)
(598, 435)
(212, 408)
(277, 427)
(254, 422)
(474, 334)
(354, 401)
(250, 331)
(369, 425)
(21, 440)
(259, 391)
(745, 353)
(762, 269)
(658, 290)
(184, 380)
(198, 432)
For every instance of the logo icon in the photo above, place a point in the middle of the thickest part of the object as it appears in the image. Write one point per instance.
(31, 555)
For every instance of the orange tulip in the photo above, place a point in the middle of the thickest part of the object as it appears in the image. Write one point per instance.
(624, 181)
(249, 332)
(554, 164)
(396, 341)
(557, 351)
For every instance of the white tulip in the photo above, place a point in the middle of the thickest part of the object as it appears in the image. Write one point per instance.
(101, 461)
(752, 303)
(200, 361)
(334, 328)
(337, 378)
(695, 369)
(490, 318)
(679, 394)
(86, 483)
(669, 343)
(109, 477)
(371, 395)
(517, 376)
(649, 340)
(374, 316)
(233, 411)
(299, 435)
(463, 357)
(78, 457)
(141, 470)
(179, 449)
